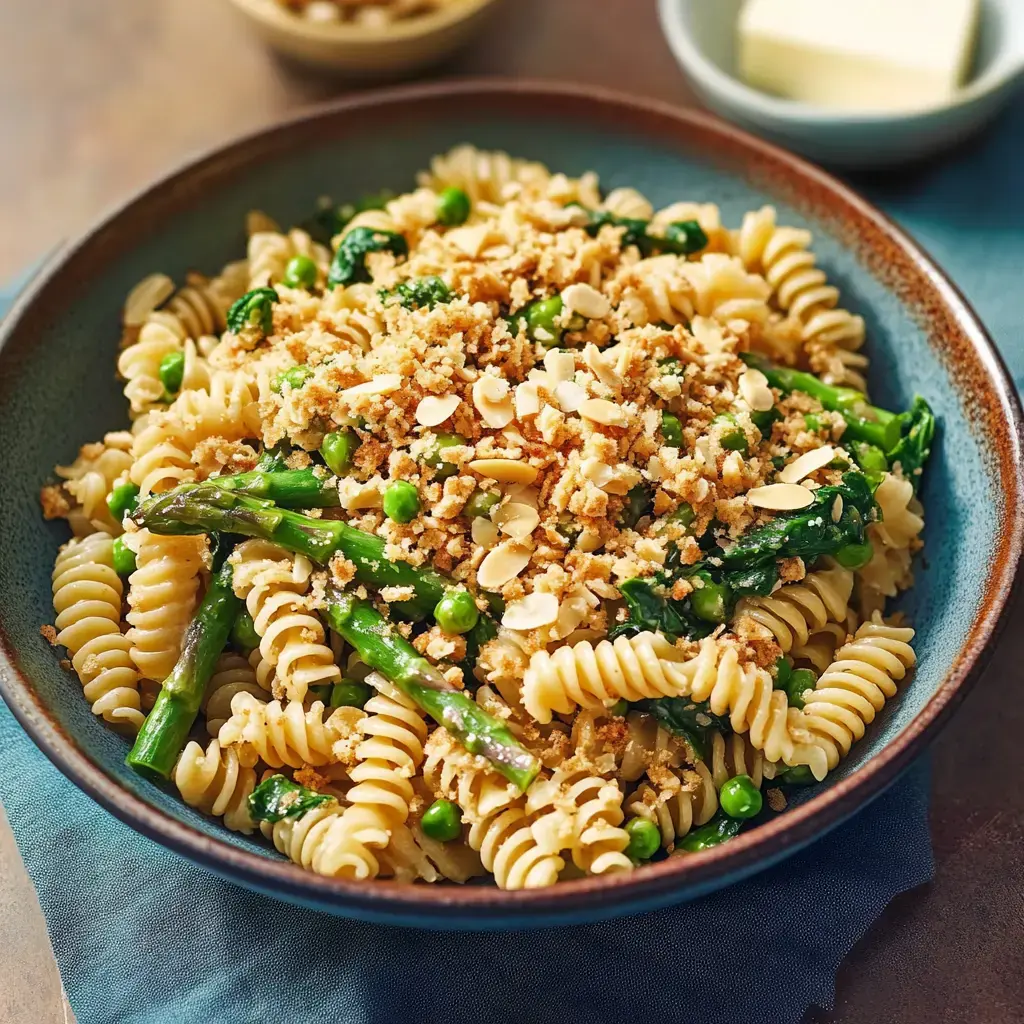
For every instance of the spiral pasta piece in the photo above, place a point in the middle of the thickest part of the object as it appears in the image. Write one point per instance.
(510, 851)
(232, 674)
(797, 610)
(287, 734)
(735, 755)
(580, 811)
(745, 693)
(294, 653)
(162, 450)
(681, 800)
(87, 600)
(628, 668)
(139, 364)
(856, 686)
(452, 773)
(782, 255)
(90, 478)
(270, 251)
(162, 595)
(217, 781)
(482, 174)
(648, 744)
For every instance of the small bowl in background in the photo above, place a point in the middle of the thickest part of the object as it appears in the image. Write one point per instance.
(702, 37)
(359, 51)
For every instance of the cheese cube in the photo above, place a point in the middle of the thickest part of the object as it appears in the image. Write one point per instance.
(858, 55)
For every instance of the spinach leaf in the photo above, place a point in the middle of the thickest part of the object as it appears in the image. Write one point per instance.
(690, 719)
(278, 797)
(915, 445)
(349, 263)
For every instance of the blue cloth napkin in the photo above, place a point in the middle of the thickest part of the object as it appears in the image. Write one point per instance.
(144, 937)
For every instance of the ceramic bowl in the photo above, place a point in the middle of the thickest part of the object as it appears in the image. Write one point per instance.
(702, 36)
(356, 51)
(57, 390)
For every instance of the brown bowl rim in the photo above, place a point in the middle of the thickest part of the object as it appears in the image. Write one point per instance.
(658, 884)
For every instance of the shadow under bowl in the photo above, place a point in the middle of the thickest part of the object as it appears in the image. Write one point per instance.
(57, 390)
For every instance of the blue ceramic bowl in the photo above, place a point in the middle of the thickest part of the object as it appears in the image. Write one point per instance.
(57, 390)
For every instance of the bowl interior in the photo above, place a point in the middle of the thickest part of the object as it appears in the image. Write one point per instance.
(712, 28)
(57, 386)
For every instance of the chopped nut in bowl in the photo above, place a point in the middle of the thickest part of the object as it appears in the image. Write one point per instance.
(365, 38)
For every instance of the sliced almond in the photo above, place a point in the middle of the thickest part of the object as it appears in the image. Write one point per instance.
(601, 367)
(433, 411)
(587, 301)
(382, 384)
(600, 410)
(531, 612)
(506, 471)
(483, 532)
(753, 385)
(470, 240)
(597, 472)
(569, 395)
(493, 400)
(806, 464)
(655, 468)
(560, 366)
(837, 509)
(780, 497)
(502, 564)
(527, 400)
(516, 520)
(149, 294)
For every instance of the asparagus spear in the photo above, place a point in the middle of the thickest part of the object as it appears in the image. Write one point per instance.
(864, 422)
(288, 488)
(166, 728)
(208, 508)
(383, 648)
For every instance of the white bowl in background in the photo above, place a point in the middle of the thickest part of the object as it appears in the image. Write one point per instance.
(702, 36)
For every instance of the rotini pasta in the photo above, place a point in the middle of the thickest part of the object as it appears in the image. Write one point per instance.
(217, 781)
(528, 450)
(273, 584)
(162, 593)
(87, 600)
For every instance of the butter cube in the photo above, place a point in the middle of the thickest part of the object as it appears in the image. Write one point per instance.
(858, 55)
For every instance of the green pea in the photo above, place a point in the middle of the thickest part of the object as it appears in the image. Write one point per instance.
(812, 422)
(539, 318)
(619, 708)
(731, 436)
(644, 839)
(740, 798)
(338, 449)
(300, 272)
(442, 821)
(710, 602)
(855, 556)
(243, 632)
(671, 430)
(684, 237)
(442, 469)
(172, 372)
(294, 377)
(401, 501)
(124, 498)
(480, 503)
(799, 682)
(453, 207)
(350, 693)
(456, 612)
(800, 775)
(124, 558)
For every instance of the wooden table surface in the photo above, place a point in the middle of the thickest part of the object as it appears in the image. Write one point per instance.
(102, 95)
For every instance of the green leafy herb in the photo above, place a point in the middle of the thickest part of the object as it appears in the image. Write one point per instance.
(349, 263)
(915, 445)
(253, 309)
(278, 797)
(683, 237)
(687, 718)
(420, 292)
